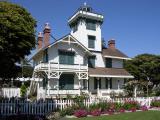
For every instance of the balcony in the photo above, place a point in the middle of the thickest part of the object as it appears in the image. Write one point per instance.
(51, 66)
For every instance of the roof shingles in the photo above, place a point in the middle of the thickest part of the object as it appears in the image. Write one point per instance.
(113, 52)
(108, 71)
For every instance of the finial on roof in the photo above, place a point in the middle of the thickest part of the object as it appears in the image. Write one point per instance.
(85, 4)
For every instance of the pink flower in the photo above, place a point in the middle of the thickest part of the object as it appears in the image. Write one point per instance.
(144, 108)
(80, 113)
(96, 112)
(121, 110)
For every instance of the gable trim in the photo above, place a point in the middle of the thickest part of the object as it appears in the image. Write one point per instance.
(123, 58)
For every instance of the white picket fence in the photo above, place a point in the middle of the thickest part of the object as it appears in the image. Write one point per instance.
(42, 107)
(10, 92)
(16, 106)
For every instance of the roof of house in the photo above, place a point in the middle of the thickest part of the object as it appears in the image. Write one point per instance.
(59, 40)
(114, 53)
(109, 72)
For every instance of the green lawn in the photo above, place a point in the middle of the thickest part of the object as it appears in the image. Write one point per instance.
(147, 115)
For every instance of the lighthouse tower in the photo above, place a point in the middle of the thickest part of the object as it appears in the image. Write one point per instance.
(86, 27)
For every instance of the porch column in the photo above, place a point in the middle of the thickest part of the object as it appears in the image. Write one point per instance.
(48, 87)
(58, 86)
(98, 86)
(87, 84)
(118, 84)
(79, 83)
(108, 83)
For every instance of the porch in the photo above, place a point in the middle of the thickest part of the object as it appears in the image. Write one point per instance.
(69, 84)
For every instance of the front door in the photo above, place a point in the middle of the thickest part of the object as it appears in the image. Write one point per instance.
(66, 82)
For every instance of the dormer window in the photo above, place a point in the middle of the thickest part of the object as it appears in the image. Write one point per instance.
(90, 25)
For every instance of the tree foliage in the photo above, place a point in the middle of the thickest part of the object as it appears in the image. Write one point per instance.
(17, 37)
(145, 67)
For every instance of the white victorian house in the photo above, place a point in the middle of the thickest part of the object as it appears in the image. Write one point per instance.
(77, 62)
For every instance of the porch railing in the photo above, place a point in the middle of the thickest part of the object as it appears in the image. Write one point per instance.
(107, 92)
(63, 92)
(57, 66)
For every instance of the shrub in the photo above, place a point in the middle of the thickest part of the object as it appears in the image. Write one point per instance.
(93, 107)
(96, 112)
(23, 90)
(155, 103)
(118, 106)
(103, 106)
(130, 104)
(68, 111)
(79, 100)
(80, 113)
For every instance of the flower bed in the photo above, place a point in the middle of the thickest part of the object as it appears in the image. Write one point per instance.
(101, 108)
(81, 113)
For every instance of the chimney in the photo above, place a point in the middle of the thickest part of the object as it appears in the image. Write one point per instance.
(40, 40)
(46, 32)
(111, 44)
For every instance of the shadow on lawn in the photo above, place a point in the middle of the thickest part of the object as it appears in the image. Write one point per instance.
(24, 117)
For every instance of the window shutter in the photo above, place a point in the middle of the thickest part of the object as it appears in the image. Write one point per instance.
(106, 83)
(95, 83)
(100, 83)
(110, 83)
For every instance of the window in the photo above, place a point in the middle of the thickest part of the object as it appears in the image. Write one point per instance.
(90, 25)
(106, 83)
(91, 61)
(108, 63)
(97, 83)
(66, 82)
(91, 41)
(66, 57)
(75, 28)
(45, 56)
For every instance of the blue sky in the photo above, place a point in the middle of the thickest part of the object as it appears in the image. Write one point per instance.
(134, 24)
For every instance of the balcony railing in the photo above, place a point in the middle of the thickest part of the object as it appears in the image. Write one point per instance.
(59, 67)
(63, 92)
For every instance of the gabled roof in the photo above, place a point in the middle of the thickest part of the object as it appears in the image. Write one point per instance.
(114, 53)
(109, 72)
(68, 39)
